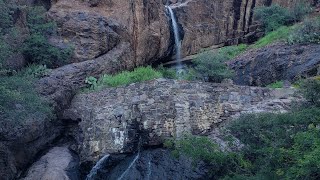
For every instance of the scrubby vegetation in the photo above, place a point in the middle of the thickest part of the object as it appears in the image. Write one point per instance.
(275, 16)
(211, 67)
(37, 48)
(277, 146)
(307, 32)
(19, 101)
(34, 46)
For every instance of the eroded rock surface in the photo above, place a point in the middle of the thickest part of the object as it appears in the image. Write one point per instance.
(113, 119)
(260, 67)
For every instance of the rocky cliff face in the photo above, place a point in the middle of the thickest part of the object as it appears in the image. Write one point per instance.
(261, 67)
(112, 120)
(95, 27)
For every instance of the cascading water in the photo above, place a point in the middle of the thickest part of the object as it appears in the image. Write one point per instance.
(149, 167)
(176, 39)
(94, 170)
(133, 162)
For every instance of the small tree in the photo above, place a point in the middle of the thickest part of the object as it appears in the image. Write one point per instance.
(211, 67)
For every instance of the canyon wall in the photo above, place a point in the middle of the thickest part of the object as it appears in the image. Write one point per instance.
(95, 27)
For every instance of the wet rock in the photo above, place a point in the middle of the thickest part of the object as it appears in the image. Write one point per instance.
(154, 164)
(260, 67)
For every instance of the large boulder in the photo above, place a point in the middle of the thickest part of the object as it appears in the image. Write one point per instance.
(260, 67)
(112, 120)
(20, 143)
(58, 164)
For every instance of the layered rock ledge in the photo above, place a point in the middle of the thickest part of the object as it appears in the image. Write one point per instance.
(112, 120)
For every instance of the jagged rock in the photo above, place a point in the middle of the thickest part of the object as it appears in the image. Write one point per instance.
(260, 67)
(111, 120)
(58, 164)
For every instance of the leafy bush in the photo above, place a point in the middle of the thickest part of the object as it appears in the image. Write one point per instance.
(203, 149)
(300, 10)
(37, 22)
(273, 17)
(37, 50)
(35, 71)
(307, 32)
(280, 146)
(278, 84)
(211, 67)
(19, 101)
(281, 34)
(311, 90)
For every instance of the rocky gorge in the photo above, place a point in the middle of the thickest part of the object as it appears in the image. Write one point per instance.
(100, 134)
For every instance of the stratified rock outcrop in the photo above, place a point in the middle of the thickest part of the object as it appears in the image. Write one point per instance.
(96, 27)
(260, 67)
(111, 120)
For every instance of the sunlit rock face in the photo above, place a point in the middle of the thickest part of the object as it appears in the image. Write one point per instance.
(95, 27)
(113, 119)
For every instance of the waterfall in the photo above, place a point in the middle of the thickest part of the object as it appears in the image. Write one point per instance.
(95, 169)
(176, 39)
(133, 162)
(149, 167)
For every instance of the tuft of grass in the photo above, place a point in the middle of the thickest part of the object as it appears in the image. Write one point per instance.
(277, 84)
(139, 74)
(233, 51)
(280, 34)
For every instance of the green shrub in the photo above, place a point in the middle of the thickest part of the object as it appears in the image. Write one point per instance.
(300, 9)
(5, 52)
(273, 17)
(307, 32)
(19, 100)
(35, 71)
(37, 50)
(278, 84)
(281, 34)
(211, 67)
(188, 74)
(311, 90)
(203, 149)
(280, 146)
(37, 22)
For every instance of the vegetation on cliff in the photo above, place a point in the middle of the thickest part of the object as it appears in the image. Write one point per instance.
(277, 146)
